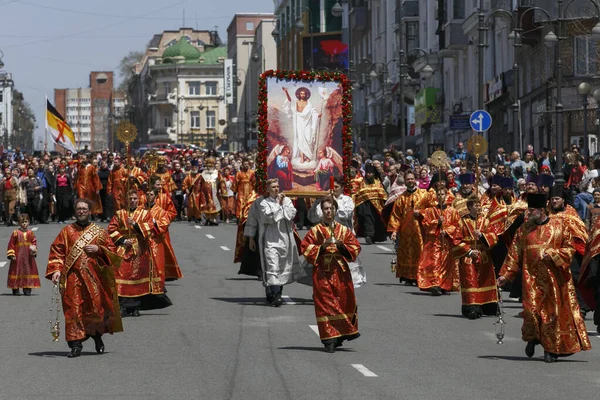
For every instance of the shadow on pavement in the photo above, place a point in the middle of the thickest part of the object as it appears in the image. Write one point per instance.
(243, 279)
(54, 354)
(449, 315)
(389, 284)
(319, 349)
(259, 300)
(524, 358)
(420, 294)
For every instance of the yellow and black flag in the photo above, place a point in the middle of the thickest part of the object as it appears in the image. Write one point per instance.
(59, 130)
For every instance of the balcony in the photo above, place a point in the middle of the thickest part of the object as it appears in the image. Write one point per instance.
(455, 39)
(161, 98)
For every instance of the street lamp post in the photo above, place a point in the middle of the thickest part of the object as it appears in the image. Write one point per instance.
(584, 90)
(596, 96)
(300, 27)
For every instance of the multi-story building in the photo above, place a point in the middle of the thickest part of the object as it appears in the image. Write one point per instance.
(92, 111)
(252, 50)
(178, 94)
(6, 107)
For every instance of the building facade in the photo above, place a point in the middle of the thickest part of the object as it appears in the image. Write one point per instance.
(177, 94)
(93, 111)
(6, 107)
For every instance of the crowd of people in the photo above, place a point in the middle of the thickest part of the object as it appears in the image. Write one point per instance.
(457, 226)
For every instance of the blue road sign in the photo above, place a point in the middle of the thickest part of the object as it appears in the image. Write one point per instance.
(481, 120)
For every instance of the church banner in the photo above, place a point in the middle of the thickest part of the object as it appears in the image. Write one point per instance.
(305, 132)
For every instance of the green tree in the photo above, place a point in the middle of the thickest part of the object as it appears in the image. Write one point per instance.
(126, 67)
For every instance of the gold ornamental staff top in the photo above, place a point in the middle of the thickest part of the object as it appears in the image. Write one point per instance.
(151, 157)
(477, 145)
(439, 158)
(126, 132)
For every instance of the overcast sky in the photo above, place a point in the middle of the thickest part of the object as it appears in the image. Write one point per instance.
(55, 44)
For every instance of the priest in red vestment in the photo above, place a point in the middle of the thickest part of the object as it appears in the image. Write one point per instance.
(139, 282)
(21, 251)
(82, 258)
(117, 182)
(329, 247)
(243, 186)
(88, 185)
(543, 250)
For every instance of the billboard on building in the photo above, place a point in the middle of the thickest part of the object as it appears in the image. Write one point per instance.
(327, 51)
(228, 74)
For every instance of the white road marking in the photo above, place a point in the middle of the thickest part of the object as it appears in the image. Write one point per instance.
(210, 236)
(315, 329)
(226, 249)
(2, 264)
(197, 227)
(364, 370)
(384, 248)
(35, 228)
(288, 300)
(590, 333)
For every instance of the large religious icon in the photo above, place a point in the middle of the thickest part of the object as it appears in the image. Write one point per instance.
(304, 123)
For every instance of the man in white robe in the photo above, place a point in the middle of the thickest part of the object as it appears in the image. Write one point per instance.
(305, 121)
(279, 255)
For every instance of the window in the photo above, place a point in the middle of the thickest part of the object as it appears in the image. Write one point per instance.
(585, 56)
(195, 119)
(412, 35)
(458, 9)
(249, 26)
(168, 121)
(210, 88)
(167, 86)
(1, 96)
(194, 88)
(210, 119)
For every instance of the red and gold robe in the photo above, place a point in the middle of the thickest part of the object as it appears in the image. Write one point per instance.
(243, 186)
(117, 181)
(436, 267)
(89, 295)
(171, 266)
(355, 183)
(587, 278)
(374, 194)
(137, 173)
(166, 180)
(88, 186)
(22, 272)
(191, 184)
(138, 274)
(408, 231)
(333, 289)
(240, 242)
(211, 186)
(165, 202)
(570, 220)
(551, 312)
(477, 276)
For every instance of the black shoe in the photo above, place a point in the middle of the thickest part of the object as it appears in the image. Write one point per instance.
(530, 349)
(473, 315)
(435, 291)
(99, 344)
(278, 301)
(368, 240)
(330, 348)
(549, 357)
(123, 312)
(27, 292)
(75, 352)
(135, 313)
(16, 292)
(598, 328)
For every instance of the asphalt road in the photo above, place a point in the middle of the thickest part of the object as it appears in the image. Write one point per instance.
(220, 341)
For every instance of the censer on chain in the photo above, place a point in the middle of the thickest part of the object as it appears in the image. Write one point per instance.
(55, 313)
(500, 322)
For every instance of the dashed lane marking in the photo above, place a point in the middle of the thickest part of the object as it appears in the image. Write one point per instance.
(197, 227)
(315, 329)
(226, 249)
(210, 236)
(2, 264)
(288, 300)
(384, 248)
(364, 370)
(35, 228)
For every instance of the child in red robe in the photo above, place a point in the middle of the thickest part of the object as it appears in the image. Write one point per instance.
(22, 249)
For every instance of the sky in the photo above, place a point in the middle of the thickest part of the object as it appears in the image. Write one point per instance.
(51, 44)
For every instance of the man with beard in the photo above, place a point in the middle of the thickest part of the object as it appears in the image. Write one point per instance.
(211, 184)
(543, 249)
(87, 185)
(330, 247)
(476, 270)
(571, 222)
(82, 259)
(116, 184)
(140, 284)
(165, 176)
(463, 194)
(243, 186)
(369, 201)
(178, 177)
(545, 182)
(405, 229)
